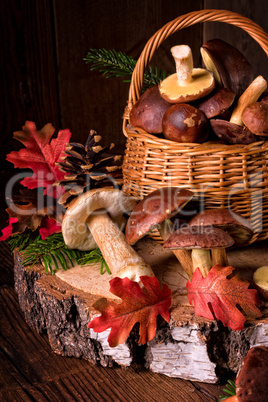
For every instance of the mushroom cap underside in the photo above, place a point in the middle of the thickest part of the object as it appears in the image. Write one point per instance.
(75, 230)
(155, 208)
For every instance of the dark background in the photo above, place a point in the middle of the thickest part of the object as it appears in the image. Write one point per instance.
(45, 79)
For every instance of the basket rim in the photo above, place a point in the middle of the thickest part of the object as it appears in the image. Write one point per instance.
(183, 21)
(166, 144)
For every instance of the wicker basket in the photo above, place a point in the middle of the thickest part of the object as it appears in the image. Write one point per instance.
(230, 176)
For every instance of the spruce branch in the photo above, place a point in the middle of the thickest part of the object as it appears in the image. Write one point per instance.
(229, 390)
(118, 64)
(92, 257)
(53, 252)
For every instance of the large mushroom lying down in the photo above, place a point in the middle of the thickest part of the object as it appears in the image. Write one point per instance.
(96, 218)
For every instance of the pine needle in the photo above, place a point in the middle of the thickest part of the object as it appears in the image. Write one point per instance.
(230, 390)
(118, 64)
(92, 257)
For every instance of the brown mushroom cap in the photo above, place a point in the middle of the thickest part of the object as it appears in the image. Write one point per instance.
(255, 118)
(191, 237)
(148, 111)
(188, 83)
(158, 206)
(231, 132)
(229, 66)
(236, 225)
(185, 123)
(252, 379)
(217, 102)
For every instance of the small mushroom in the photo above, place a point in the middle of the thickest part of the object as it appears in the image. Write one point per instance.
(96, 218)
(155, 210)
(255, 118)
(260, 278)
(148, 111)
(234, 131)
(217, 103)
(232, 223)
(252, 378)
(228, 65)
(188, 83)
(185, 123)
(201, 240)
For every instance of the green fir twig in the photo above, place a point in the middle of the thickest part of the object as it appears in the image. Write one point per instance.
(230, 390)
(22, 240)
(53, 252)
(118, 64)
(92, 257)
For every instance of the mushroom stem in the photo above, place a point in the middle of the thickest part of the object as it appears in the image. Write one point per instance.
(121, 258)
(250, 95)
(219, 257)
(201, 259)
(183, 256)
(184, 63)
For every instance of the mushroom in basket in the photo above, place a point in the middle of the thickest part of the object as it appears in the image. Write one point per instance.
(95, 218)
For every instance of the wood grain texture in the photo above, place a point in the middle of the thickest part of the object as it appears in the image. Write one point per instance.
(28, 85)
(254, 10)
(87, 99)
(31, 371)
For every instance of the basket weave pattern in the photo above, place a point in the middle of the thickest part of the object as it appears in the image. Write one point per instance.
(230, 176)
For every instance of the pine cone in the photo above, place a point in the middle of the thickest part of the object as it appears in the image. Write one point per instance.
(87, 168)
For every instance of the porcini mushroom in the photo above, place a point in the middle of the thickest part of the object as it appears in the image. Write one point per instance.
(155, 210)
(255, 118)
(252, 378)
(200, 239)
(188, 83)
(148, 111)
(96, 218)
(185, 123)
(228, 65)
(234, 131)
(217, 102)
(232, 223)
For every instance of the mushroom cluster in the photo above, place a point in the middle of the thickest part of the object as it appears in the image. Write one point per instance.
(194, 105)
(201, 242)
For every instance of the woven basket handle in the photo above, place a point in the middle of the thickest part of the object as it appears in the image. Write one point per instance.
(184, 21)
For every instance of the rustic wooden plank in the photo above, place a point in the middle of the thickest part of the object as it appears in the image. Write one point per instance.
(88, 100)
(28, 68)
(55, 377)
(255, 10)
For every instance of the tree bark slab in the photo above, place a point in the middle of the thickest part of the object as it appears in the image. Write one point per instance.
(189, 347)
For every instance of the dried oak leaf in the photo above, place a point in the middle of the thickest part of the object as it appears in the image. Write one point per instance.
(41, 156)
(141, 305)
(27, 210)
(217, 296)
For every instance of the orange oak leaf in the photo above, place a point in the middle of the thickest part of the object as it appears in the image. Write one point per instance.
(41, 156)
(141, 305)
(217, 296)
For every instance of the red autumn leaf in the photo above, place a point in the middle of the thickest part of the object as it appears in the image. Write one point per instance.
(48, 227)
(7, 231)
(138, 305)
(218, 297)
(41, 156)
